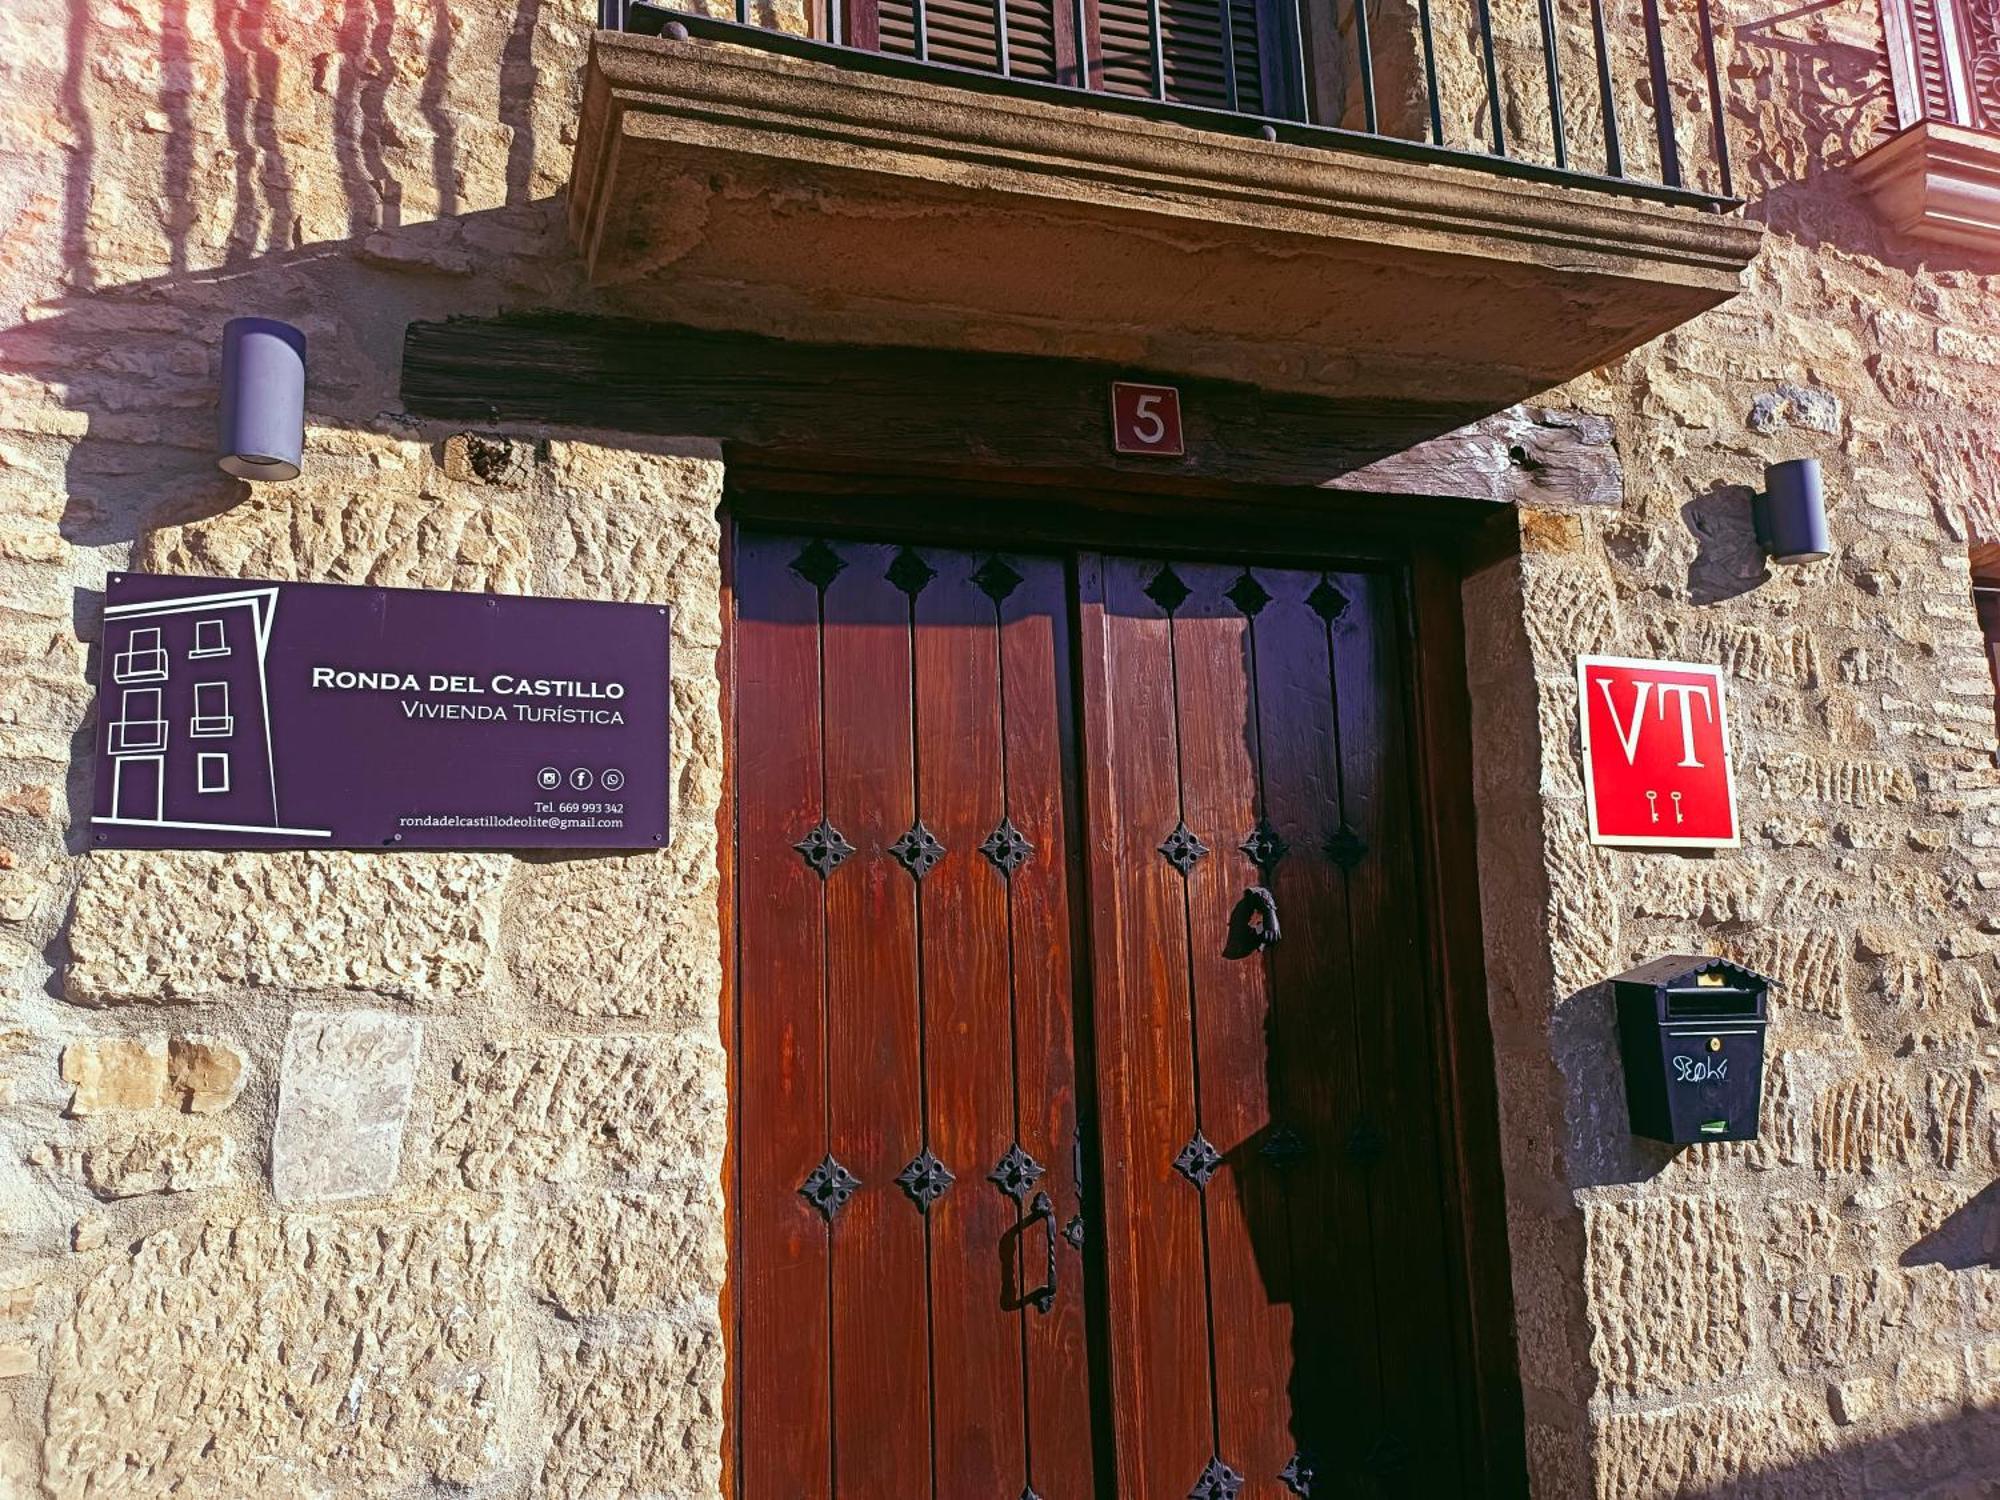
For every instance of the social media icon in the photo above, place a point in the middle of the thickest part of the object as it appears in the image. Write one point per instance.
(613, 779)
(581, 779)
(548, 778)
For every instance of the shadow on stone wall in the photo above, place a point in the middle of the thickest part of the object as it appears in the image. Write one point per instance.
(357, 60)
(1953, 1458)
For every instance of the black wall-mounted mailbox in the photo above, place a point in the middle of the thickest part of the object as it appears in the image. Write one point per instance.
(1692, 1032)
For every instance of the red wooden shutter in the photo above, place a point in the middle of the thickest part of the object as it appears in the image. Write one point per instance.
(964, 33)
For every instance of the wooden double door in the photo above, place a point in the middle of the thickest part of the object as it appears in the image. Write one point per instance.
(1056, 1175)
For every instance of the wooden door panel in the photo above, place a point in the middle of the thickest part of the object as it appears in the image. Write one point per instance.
(1274, 1208)
(780, 1073)
(1155, 1268)
(1307, 1282)
(1335, 1400)
(981, 1429)
(1416, 1451)
(907, 1016)
(1246, 1228)
(1037, 692)
(880, 1294)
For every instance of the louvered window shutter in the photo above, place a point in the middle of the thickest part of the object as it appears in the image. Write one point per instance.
(1200, 67)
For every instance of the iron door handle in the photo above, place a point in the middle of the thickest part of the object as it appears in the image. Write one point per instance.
(1044, 1297)
(1259, 909)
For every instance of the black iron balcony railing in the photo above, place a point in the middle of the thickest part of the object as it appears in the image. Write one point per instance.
(1623, 95)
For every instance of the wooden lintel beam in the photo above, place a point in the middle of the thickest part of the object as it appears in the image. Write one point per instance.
(911, 410)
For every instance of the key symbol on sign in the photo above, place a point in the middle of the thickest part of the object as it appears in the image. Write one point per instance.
(1677, 809)
(1653, 805)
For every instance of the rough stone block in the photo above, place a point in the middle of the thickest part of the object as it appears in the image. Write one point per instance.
(646, 531)
(326, 528)
(1667, 1282)
(154, 1161)
(1770, 1445)
(562, 1109)
(1810, 966)
(634, 1417)
(303, 1355)
(114, 1073)
(343, 1092)
(1830, 1322)
(204, 1073)
(1962, 1122)
(627, 936)
(1854, 1399)
(631, 1250)
(1865, 1124)
(165, 928)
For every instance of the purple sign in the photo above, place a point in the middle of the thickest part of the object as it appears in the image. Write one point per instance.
(247, 715)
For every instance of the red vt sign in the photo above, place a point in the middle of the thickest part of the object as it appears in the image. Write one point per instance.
(1656, 753)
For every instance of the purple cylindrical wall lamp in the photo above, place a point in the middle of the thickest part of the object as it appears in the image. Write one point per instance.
(1790, 516)
(263, 399)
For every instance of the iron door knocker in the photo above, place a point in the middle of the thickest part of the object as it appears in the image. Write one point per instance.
(1254, 924)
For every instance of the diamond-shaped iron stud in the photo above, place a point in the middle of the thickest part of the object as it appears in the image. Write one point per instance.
(1007, 847)
(828, 1187)
(1182, 848)
(1167, 590)
(909, 572)
(1282, 1146)
(818, 564)
(925, 1179)
(1198, 1160)
(996, 580)
(1016, 1173)
(1248, 595)
(1218, 1482)
(1297, 1476)
(1390, 1455)
(824, 849)
(1326, 601)
(1366, 1143)
(918, 851)
(1263, 845)
(1345, 847)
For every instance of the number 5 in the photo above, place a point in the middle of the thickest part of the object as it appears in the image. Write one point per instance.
(1147, 424)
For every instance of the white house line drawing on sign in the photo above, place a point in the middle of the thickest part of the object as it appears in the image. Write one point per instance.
(142, 741)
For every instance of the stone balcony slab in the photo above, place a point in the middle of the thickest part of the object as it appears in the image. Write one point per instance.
(733, 187)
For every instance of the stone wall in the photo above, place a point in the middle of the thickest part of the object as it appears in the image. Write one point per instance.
(330, 1173)
(344, 1174)
(1816, 1313)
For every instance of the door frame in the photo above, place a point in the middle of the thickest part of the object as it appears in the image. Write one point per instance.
(1430, 546)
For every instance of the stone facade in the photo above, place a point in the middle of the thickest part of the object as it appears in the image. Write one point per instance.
(330, 1173)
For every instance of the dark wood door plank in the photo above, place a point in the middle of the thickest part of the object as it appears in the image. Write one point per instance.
(1419, 1452)
(1335, 1398)
(881, 1291)
(781, 1083)
(1248, 1233)
(978, 1238)
(1156, 1274)
(1039, 726)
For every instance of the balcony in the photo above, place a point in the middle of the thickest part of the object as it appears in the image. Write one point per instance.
(1292, 193)
(139, 663)
(1938, 178)
(136, 736)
